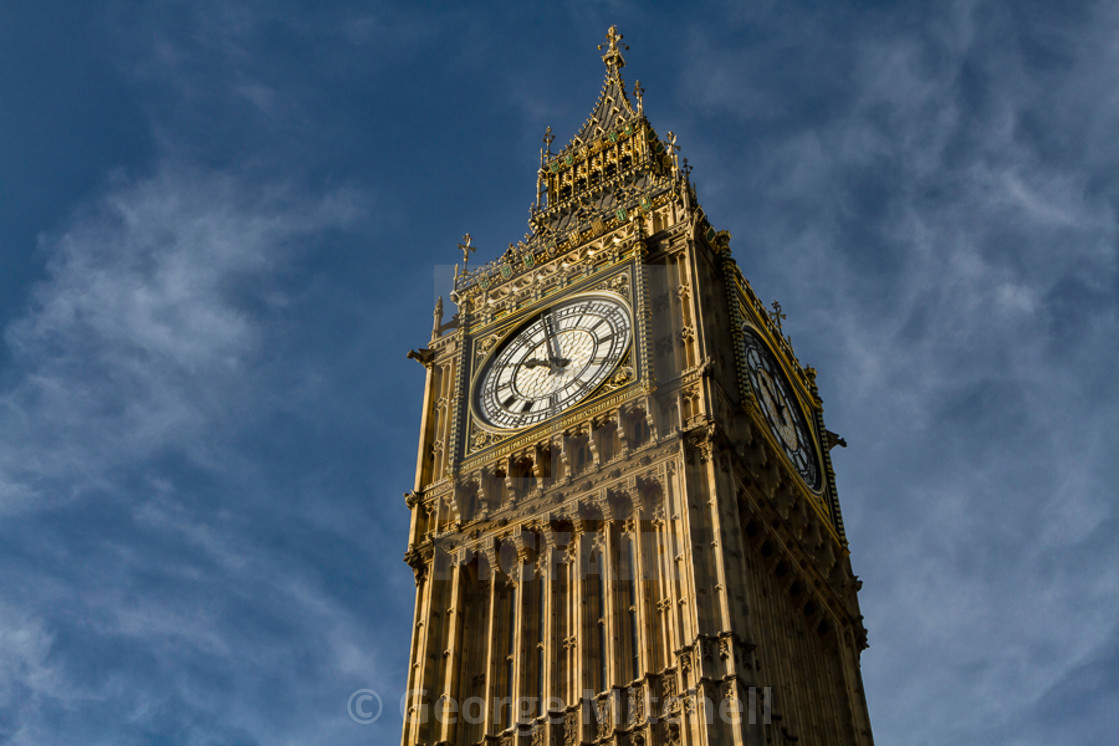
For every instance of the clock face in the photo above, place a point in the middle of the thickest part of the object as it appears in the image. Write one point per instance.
(780, 408)
(553, 362)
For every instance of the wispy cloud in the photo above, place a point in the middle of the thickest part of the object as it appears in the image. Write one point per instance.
(944, 248)
(142, 359)
(147, 334)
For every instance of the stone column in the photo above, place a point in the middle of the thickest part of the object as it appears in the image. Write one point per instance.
(610, 602)
(576, 631)
(451, 689)
(492, 656)
(523, 645)
(545, 581)
(413, 725)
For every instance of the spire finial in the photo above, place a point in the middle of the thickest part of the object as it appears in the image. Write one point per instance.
(613, 57)
(438, 314)
(672, 149)
(776, 315)
(466, 250)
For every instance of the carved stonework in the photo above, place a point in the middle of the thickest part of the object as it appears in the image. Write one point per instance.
(686, 665)
(669, 701)
(733, 705)
(709, 645)
(620, 285)
(621, 377)
(486, 344)
(603, 717)
(571, 729)
(480, 439)
(636, 706)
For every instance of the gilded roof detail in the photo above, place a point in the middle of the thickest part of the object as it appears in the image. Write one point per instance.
(612, 169)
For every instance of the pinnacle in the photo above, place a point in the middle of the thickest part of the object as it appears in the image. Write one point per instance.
(613, 106)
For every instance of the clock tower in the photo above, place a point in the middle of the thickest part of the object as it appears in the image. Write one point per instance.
(624, 525)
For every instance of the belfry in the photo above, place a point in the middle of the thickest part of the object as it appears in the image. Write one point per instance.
(625, 527)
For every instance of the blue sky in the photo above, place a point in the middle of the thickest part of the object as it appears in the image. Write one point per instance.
(222, 225)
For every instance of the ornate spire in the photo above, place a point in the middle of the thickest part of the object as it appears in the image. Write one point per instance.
(612, 161)
(613, 169)
(613, 108)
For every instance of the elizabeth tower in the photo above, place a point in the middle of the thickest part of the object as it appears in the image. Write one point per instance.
(624, 521)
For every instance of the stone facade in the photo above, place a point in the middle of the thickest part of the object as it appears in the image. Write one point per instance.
(663, 561)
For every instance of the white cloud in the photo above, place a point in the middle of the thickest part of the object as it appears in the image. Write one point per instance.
(148, 339)
(977, 483)
(145, 336)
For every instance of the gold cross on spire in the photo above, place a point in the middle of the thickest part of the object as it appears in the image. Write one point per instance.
(466, 249)
(776, 315)
(613, 57)
(613, 37)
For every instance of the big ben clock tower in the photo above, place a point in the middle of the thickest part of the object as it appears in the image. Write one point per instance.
(624, 521)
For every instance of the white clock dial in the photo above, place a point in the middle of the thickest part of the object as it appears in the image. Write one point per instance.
(554, 361)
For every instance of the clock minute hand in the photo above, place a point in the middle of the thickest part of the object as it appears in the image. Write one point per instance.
(778, 399)
(552, 340)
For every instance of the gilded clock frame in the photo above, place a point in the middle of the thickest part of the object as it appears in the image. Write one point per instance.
(750, 313)
(510, 334)
(623, 282)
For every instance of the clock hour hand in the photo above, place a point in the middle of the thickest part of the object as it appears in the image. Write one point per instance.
(553, 363)
(537, 363)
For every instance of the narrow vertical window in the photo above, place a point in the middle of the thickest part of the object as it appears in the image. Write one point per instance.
(631, 585)
(563, 603)
(541, 619)
(600, 620)
(511, 657)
